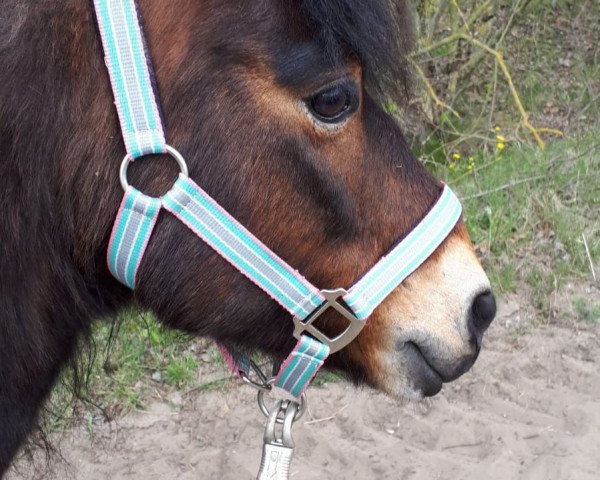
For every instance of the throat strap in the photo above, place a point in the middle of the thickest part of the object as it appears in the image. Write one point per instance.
(131, 234)
(132, 82)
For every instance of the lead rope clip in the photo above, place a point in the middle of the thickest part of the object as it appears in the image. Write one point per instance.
(278, 449)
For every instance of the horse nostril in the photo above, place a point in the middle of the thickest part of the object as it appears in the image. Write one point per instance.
(483, 311)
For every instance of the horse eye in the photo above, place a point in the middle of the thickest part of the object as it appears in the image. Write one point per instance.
(332, 105)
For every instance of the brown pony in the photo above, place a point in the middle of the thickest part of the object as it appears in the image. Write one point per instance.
(277, 107)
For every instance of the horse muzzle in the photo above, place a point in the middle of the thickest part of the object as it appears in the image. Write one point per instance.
(437, 321)
(424, 366)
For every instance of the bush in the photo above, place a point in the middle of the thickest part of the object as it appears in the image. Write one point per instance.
(475, 61)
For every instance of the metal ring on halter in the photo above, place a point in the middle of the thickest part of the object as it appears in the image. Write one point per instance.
(128, 159)
(265, 410)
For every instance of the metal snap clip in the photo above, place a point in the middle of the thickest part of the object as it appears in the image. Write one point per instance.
(263, 381)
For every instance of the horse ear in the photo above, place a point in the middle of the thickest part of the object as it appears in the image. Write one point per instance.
(406, 22)
(406, 18)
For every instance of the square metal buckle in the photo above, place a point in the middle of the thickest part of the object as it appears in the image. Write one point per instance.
(331, 301)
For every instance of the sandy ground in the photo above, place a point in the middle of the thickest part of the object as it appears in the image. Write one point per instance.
(530, 409)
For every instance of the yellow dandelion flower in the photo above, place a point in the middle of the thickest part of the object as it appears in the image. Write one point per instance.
(472, 159)
(452, 166)
(500, 146)
(470, 168)
(497, 128)
(456, 156)
(500, 138)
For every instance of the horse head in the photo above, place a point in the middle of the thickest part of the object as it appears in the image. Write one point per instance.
(278, 107)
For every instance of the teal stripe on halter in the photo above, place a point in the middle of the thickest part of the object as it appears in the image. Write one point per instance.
(301, 366)
(141, 239)
(286, 370)
(428, 246)
(119, 231)
(209, 205)
(197, 226)
(114, 67)
(141, 65)
(310, 371)
(132, 230)
(376, 272)
(419, 244)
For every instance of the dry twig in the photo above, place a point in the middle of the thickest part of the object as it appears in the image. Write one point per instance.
(466, 33)
(326, 419)
(589, 257)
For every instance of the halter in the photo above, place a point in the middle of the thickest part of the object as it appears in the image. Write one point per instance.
(133, 86)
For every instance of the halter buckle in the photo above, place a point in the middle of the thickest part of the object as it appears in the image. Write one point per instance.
(331, 301)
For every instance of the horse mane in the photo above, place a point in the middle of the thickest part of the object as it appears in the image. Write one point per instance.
(379, 32)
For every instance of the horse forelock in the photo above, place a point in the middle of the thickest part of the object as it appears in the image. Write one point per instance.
(379, 32)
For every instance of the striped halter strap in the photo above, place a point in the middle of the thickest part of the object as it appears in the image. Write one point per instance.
(143, 132)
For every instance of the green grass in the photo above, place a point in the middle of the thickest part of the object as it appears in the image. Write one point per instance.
(181, 371)
(586, 312)
(141, 348)
(128, 365)
(325, 377)
(505, 278)
(530, 211)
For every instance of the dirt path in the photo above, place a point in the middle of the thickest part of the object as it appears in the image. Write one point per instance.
(530, 409)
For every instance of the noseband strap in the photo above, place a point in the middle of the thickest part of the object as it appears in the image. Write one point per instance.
(132, 81)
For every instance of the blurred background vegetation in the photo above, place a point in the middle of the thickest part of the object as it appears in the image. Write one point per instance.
(528, 66)
(509, 115)
(507, 111)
